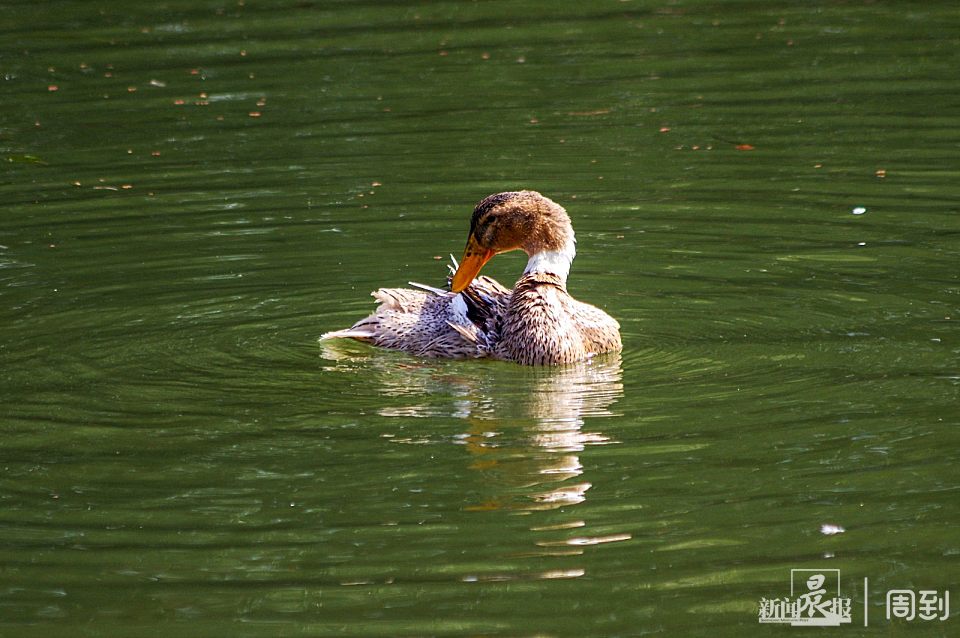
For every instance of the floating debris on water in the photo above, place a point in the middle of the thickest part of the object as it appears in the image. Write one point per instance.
(859, 210)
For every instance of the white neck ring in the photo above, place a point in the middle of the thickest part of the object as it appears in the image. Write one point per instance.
(555, 262)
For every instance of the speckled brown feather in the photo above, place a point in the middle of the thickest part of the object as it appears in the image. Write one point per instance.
(545, 325)
(430, 323)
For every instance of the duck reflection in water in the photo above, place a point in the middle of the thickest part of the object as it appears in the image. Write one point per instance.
(546, 452)
(525, 425)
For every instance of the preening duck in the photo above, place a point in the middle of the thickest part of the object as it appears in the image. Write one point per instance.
(535, 323)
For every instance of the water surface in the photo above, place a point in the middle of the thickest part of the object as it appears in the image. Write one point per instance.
(765, 195)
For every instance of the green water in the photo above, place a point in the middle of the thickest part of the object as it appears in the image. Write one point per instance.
(192, 192)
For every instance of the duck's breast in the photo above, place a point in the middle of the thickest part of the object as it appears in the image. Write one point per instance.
(538, 328)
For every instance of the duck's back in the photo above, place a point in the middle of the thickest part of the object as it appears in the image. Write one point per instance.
(431, 322)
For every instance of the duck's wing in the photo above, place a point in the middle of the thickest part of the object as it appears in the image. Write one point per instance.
(484, 306)
(434, 322)
(486, 300)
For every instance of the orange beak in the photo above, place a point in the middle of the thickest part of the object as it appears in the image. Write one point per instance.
(474, 257)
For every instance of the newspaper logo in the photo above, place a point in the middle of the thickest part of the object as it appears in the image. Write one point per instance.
(814, 601)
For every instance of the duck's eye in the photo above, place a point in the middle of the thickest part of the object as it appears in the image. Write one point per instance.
(488, 235)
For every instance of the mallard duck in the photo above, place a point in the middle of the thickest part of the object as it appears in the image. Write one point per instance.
(535, 323)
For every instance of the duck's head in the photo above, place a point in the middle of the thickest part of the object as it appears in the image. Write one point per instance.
(521, 220)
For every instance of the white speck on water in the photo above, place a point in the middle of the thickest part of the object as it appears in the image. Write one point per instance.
(828, 529)
(859, 210)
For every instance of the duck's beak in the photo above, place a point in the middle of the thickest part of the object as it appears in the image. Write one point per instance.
(474, 257)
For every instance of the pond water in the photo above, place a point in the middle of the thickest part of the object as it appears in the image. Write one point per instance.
(765, 195)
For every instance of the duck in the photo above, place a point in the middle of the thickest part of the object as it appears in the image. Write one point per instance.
(537, 322)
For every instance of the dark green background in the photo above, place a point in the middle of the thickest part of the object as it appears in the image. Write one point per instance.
(192, 192)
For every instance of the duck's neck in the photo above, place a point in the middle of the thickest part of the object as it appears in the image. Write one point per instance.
(555, 262)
